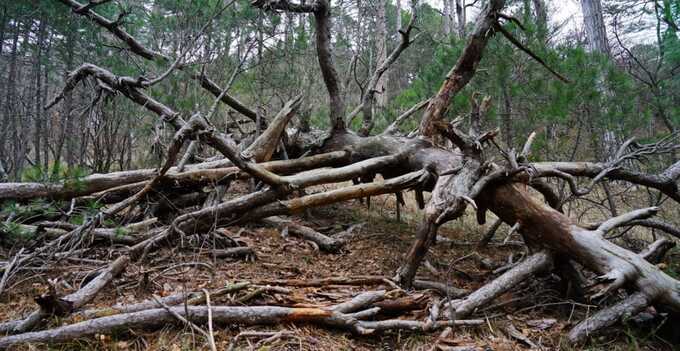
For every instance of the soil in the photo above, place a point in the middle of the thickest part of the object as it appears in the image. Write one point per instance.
(538, 309)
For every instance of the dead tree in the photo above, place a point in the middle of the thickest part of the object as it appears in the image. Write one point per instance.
(458, 178)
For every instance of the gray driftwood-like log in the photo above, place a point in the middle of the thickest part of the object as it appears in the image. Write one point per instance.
(74, 300)
(324, 242)
(264, 146)
(609, 316)
(122, 235)
(192, 298)
(534, 264)
(247, 315)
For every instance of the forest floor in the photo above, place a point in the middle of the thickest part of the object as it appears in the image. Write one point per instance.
(537, 309)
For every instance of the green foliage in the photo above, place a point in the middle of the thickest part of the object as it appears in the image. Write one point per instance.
(9, 207)
(35, 208)
(77, 219)
(57, 172)
(14, 233)
(88, 210)
(120, 232)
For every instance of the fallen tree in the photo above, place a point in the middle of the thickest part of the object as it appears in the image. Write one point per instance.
(458, 177)
(346, 316)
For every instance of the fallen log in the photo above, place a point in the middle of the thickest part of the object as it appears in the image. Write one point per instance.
(87, 185)
(129, 182)
(403, 304)
(608, 316)
(444, 289)
(74, 300)
(192, 298)
(360, 301)
(534, 264)
(233, 252)
(324, 242)
(120, 235)
(249, 315)
(158, 317)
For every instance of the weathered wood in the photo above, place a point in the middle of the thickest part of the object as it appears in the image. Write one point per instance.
(121, 235)
(544, 227)
(534, 264)
(444, 289)
(191, 298)
(76, 300)
(609, 316)
(324, 242)
(464, 69)
(159, 317)
(249, 315)
(490, 232)
(297, 205)
(655, 252)
(360, 301)
(263, 147)
(104, 185)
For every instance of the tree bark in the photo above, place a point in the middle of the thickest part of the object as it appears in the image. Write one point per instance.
(10, 93)
(464, 69)
(324, 51)
(397, 4)
(595, 27)
(461, 18)
(541, 19)
(507, 117)
(39, 113)
(69, 131)
(381, 49)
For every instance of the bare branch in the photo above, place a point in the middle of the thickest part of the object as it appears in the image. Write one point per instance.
(626, 218)
(136, 47)
(367, 98)
(114, 28)
(394, 127)
(521, 46)
(285, 5)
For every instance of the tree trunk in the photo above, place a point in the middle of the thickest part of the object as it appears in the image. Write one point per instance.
(48, 124)
(381, 49)
(21, 131)
(446, 18)
(460, 18)
(10, 102)
(67, 107)
(39, 113)
(507, 117)
(397, 3)
(322, 15)
(541, 19)
(595, 28)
